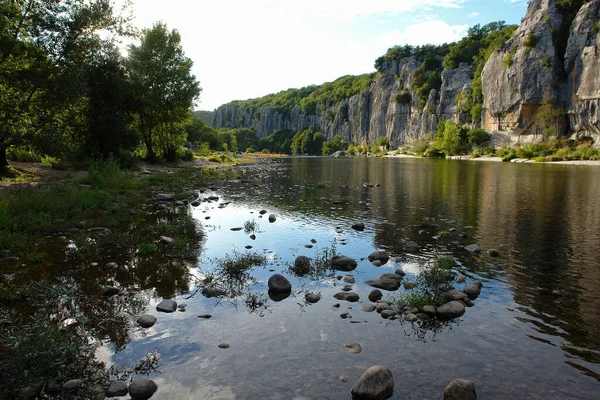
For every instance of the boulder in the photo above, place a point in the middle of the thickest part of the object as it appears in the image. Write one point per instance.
(386, 282)
(349, 279)
(213, 292)
(146, 320)
(73, 384)
(272, 218)
(411, 247)
(279, 284)
(339, 153)
(367, 308)
(117, 389)
(301, 265)
(380, 256)
(375, 295)
(388, 313)
(460, 389)
(347, 296)
(473, 289)
(343, 263)
(167, 306)
(451, 310)
(142, 389)
(473, 248)
(456, 295)
(429, 310)
(376, 383)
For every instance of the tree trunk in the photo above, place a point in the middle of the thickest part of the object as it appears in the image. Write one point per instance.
(149, 149)
(3, 159)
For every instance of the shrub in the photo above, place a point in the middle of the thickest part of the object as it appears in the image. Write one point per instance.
(22, 154)
(250, 150)
(530, 41)
(402, 98)
(53, 163)
(508, 60)
(419, 146)
(478, 136)
(186, 155)
(547, 62)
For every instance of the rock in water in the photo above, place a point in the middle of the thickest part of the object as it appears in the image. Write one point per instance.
(354, 348)
(167, 306)
(460, 389)
(376, 383)
(451, 310)
(473, 248)
(473, 289)
(359, 226)
(279, 284)
(375, 295)
(312, 298)
(493, 252)
(348, 296)
(146, 320)
(343, 263)
(411, 247)
(142, 389)
(117, 389)
(272, 218)
(301, 265)
(73, 384)
(380, 256)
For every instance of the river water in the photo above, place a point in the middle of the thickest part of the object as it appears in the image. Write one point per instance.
(533, 333)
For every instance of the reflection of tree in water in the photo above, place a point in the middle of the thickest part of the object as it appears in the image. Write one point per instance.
(427, 330)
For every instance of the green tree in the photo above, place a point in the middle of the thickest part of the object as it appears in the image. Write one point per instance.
(164, 87)
(449, 138)
(198, 131)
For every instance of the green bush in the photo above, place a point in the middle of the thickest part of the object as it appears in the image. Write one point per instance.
(53, 163)
(402, 98)
(22, 154)
(530, 41)
(250, 150)
(508, 60)
(478, 136)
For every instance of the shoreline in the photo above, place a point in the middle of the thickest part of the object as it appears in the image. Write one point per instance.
(595, 163)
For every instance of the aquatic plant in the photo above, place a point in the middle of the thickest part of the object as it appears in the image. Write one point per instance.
(250, 226)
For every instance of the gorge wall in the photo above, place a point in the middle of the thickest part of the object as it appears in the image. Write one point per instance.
(531, 69)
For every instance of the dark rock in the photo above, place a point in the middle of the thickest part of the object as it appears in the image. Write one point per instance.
(224, 346)
(347, 296)
(146, 320)
(213, 198)
(460, 389)
(400, 272)
(376, 263)
(117, 389)
(312, 298)
(473, 289)
(164, 197)
(32, 392)
(237, 229)
(387, 313)
(213, 292)
(451, 310)
(279, 284)
(429, 310)
(411, 247)
(73, 384)
(253, 237)
(272, 218)
(375, 295)
(195, 203)
(409, 285)
(349, 279)
(205, 316)
(167, 306)
(410, 317)
(262, 212)
(359, 226)
(386, 282)
(343, 263)
(53, 387)
(456, 295)
(376, 383)
(345, 316)
(473, 248)
(493, 252)
(381, 307)
(142, 389)
(380, 256)
(109, 290)
(422, 316)
(302, 265)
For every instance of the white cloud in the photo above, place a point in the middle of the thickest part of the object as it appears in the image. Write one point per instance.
(244, 49)
(473, 14)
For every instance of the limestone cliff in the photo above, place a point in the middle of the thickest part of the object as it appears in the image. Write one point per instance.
(543, 63)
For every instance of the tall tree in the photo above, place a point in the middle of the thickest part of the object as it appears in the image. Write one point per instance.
(165, 89)
(44, 46)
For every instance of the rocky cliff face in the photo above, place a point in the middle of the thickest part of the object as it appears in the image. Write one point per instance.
(388, 108)
(582, 66)
(526, 73)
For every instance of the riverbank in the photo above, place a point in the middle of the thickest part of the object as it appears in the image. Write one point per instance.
(499, 159)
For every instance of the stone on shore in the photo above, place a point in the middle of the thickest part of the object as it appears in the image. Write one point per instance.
(460, 389)
(376, 383)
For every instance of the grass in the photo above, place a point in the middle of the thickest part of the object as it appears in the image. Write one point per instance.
(237, 264)
(146, 249)
(250, 226)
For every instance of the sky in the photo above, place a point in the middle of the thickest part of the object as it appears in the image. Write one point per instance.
(249, 48)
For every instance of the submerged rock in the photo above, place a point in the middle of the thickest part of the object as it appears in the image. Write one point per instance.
(213, 292)
(368, 308)
(312, 298)
(460, 389)
(142, 389)
(347, 296)
(349, 279)
(376, 383)
(380, 256)
(386, 282)
(146, 320)
(343, 263)
(354, 348)
(451, 310)
(167, 306)
(279, 284)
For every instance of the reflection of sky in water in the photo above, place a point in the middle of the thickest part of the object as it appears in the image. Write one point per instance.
(294, 350)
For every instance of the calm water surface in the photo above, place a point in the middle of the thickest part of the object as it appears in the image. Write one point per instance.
(533, 333)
